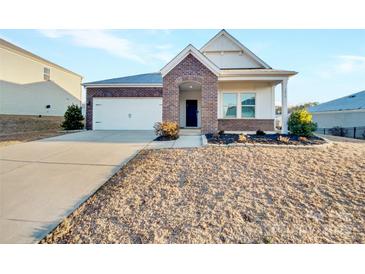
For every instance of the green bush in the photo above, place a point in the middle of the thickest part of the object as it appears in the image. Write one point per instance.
(73, 118)
(300, 123)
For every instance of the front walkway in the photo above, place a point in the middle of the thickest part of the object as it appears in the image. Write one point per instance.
(181, 142)
(42, 182)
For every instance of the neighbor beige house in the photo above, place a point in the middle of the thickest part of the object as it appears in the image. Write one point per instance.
(32, 85)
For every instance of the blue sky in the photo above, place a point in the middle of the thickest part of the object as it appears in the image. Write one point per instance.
(331, 63)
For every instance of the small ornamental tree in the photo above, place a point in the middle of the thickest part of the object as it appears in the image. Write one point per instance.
(73, 118)
(300, 123)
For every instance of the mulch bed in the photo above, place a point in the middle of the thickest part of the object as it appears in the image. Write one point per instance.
(227, 138)
(165, 138)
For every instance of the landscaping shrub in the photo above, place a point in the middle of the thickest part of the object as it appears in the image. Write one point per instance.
(260, 132)
(267, 240)
(283, 139)
(221, 132)
(216, 135)
(73, 118)
(300, 123)
(303, 139)
(167, 129)
(242, 138)
(338, 131)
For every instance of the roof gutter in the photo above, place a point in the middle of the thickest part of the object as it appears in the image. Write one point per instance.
(244, 72)
(90, 85)
(336, 111)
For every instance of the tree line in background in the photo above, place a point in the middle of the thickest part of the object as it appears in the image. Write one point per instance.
(296, 107)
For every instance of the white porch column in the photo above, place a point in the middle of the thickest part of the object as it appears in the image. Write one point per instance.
(284, 106)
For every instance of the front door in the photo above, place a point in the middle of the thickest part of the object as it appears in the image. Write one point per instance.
(191, 113)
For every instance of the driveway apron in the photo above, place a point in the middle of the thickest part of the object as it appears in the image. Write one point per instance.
(42, 182)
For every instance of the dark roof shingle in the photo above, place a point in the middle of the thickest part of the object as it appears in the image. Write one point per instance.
(147, 78)
(351, 102)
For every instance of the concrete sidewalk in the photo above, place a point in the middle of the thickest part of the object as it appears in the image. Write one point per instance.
(181, 142)
(42, 182)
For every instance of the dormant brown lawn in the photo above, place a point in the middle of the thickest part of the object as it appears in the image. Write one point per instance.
(228, 195)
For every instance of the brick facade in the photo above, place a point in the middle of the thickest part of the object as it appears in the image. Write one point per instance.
(116, 92)
(191, 69)
(246, 124)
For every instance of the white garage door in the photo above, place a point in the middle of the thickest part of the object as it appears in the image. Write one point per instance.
(126, 113)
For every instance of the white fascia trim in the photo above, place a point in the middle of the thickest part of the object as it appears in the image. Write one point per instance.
(239, 44)
(244, 72)
(190, 49)
(122, 85)
(251, 78)
(337, 111)
(122, 97)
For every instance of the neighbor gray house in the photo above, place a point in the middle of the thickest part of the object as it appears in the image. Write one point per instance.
(345, 112)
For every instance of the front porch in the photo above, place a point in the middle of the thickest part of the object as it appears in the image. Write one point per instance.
(195, 95)
(190, 132)
(190, 101)
(190, 95)
(253, 96)
(241, 105)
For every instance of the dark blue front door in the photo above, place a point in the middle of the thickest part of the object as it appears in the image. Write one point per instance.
(191, 113)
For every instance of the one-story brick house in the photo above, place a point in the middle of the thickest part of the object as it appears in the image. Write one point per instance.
(222, 86)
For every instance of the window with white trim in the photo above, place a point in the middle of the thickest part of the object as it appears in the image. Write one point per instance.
(239, 105)
(248, 105)
(229, 105)
(46, 74)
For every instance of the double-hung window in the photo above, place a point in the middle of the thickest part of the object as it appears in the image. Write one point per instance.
(239, 105)
(230, 105)
(248, 103)
(46, 74)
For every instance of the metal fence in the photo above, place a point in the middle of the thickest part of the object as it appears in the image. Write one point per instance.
(350, 132)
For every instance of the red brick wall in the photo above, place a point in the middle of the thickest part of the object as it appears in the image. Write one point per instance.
(191, 69)
(116, 92)
(246, 124)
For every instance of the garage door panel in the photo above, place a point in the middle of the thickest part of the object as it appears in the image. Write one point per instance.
(126, 113)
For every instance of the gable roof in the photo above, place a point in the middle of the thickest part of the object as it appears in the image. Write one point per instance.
(223, 32)
(190, 49)
(147, 79)
(354, 101)
(155, 79)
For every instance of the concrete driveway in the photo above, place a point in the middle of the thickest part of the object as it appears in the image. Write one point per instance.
(42, 182)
